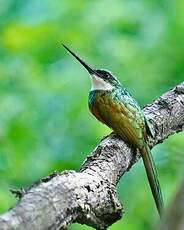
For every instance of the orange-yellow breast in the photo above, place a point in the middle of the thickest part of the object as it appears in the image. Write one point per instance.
(120, 114)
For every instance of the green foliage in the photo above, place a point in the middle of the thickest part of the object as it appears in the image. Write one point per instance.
(44, 118)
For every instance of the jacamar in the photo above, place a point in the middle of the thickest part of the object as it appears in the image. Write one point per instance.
(113, 105)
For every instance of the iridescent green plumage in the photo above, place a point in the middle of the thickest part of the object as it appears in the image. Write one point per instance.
(118, 110)
(111, 104)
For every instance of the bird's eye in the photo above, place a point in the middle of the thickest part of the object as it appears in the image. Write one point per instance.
(108, 76)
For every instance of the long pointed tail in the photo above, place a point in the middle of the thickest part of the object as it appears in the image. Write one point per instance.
(152, 177)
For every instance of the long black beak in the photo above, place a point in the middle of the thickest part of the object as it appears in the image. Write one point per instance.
(88, 67)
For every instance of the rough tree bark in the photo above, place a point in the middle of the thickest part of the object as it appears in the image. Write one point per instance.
(90, 196)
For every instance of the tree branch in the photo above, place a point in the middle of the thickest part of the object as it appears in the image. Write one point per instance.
(90, 196)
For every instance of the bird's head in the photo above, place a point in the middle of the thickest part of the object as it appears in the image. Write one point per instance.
(100, 79)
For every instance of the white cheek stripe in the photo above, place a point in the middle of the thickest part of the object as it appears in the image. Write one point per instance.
(98, 83)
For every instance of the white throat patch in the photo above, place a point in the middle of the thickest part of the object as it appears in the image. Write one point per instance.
(98, 83)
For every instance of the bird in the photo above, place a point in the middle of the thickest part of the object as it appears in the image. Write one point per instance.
(115, 107)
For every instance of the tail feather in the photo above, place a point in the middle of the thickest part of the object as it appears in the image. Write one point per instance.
(152, 177)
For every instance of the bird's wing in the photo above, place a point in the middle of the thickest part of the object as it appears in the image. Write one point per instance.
(124, 117)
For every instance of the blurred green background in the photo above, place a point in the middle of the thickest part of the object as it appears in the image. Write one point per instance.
(45, 124)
